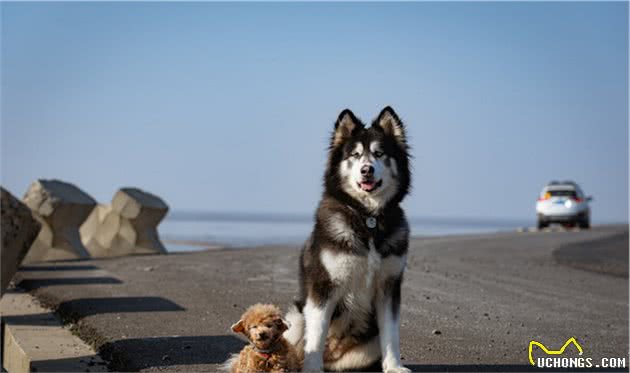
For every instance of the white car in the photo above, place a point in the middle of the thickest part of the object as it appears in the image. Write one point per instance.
(564, 203)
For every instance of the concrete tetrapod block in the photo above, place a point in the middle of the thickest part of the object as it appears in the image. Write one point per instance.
(128, 226)
(61, 208)
(106, 234)
(18, 230)
(144, 211)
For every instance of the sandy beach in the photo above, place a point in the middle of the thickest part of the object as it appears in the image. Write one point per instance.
(470, 302)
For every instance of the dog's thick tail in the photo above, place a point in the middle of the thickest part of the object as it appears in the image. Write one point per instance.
(357, 358)
(295, 333)
(226, 367)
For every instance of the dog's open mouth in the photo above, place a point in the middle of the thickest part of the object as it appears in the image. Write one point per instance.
(370, 185)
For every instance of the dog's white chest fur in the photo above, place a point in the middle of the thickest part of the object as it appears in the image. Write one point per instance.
(358, 279)
(358, 272)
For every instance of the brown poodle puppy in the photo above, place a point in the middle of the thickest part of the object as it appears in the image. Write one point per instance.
(268, 351)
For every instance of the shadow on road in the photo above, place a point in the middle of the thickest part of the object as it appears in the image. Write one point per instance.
(83, 307)
(86, 267)
(32, 283)
(140, 353)
(77, 364)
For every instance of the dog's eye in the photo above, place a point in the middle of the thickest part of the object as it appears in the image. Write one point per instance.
(356, 155)
(378, 154)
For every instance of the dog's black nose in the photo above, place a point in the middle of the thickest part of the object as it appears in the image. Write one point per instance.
(262, 335)
(367, 170)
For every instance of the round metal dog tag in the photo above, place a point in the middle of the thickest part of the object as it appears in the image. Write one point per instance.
(371, 222)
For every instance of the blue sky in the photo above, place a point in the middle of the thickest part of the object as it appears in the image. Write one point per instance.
(228, 107)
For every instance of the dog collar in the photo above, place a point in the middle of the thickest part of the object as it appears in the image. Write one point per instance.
(370, 221)
(266, 353)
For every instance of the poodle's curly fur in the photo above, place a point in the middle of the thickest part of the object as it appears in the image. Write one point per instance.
(268, 351)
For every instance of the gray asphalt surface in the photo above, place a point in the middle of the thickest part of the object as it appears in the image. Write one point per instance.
(469, 302)
(604, 256)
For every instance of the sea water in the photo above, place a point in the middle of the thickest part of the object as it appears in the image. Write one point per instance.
(183, 231)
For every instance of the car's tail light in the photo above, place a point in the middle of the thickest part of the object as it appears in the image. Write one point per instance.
(545, 197)
(578, 200)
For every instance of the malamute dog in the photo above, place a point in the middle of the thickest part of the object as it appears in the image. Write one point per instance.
(351, 267)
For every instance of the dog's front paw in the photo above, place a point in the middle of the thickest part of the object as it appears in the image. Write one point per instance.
(312, 362)
(396, 369)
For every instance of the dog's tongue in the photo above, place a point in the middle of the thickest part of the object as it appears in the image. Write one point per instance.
(367, 185)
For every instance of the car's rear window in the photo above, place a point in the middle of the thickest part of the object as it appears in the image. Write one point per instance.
(562, 193)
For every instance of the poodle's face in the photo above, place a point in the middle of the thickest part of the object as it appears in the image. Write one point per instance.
(262, 325)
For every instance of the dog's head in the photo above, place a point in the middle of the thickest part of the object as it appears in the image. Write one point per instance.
(369, 165)
(262, 324)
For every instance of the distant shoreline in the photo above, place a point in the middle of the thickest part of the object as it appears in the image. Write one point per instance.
(297, 218)
(192, 245)
(203, 245)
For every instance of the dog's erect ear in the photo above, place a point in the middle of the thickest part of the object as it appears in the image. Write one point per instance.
(239, 327)
(282, 324)
(346, 125)
(389, 122)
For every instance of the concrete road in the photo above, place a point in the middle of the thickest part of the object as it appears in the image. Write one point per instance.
(469, 302)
